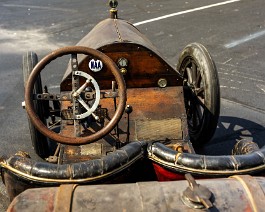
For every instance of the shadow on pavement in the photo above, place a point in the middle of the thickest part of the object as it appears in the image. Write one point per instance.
(229, 131)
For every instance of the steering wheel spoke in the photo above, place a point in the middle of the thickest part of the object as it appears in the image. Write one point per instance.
(88, 109)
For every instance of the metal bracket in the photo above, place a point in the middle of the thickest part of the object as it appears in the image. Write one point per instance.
(52, 159)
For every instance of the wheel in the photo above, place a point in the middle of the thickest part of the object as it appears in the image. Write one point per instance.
(39, 141)
(201, 92)
(81, 109)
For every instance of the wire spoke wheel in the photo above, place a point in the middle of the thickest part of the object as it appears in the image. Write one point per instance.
(201, 92)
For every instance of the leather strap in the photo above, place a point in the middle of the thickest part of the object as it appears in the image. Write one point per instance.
(253, 190)
(63, 201)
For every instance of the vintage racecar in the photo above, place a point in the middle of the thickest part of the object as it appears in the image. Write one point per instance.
(126, 115)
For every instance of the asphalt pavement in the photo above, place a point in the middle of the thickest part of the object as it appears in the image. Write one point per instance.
(233, 32)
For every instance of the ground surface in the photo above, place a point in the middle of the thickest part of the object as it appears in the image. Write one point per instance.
(233, 32)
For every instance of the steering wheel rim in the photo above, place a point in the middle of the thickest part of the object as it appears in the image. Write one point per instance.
(75, 140)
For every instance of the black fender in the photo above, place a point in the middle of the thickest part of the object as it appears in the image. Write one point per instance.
(82, 172)
(223, 165)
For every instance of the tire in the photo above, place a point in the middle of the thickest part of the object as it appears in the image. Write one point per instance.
(201, 92)
(39, 141)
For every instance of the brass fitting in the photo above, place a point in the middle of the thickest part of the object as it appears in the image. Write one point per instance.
(123, 71)
(113, 11)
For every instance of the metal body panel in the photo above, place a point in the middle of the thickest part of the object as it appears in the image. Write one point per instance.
(119, 39)
(247, 192)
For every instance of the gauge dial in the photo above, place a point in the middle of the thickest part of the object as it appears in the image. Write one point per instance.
(123, 62)
(162, 82)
